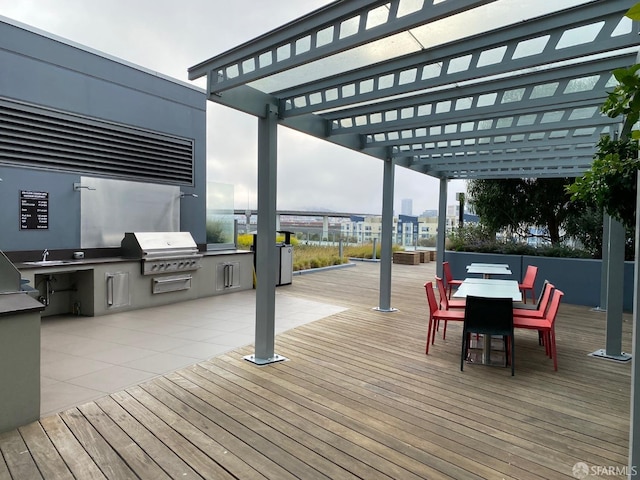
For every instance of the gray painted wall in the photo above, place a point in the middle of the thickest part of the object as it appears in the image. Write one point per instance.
(53, 73)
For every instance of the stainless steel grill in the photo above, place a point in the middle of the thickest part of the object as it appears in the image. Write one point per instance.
(162, 252)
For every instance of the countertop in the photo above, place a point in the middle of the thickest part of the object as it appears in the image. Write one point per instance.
(12, 303)
(86, 262)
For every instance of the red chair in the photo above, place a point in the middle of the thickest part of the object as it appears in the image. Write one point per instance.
(447, 303)
(528, 283)
(541, 307)
(451, 282)
(546, 326)
(436, 314)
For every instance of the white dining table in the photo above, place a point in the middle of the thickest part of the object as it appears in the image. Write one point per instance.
(488, 288)
(488, 269)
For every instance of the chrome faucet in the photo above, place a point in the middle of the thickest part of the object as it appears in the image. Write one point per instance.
(45, 254)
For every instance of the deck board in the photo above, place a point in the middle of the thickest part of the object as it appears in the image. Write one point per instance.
(105, 458)
(166, 458)
(218, 441)
(13, 450)
(45, 455)
(291, 421)
(74, 455)
(142, 464)
(451, 424)
(358, 398)
(329, 414)
(198, 460)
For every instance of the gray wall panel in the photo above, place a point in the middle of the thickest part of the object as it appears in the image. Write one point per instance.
(55, 74)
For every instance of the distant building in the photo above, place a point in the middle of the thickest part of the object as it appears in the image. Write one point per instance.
(453, 210)
(453, 217)
(407, 232)
(406, 206)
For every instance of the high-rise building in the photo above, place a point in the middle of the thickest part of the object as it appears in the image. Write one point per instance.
(407, 206)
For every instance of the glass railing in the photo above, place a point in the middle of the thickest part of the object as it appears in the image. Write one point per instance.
(220, 216)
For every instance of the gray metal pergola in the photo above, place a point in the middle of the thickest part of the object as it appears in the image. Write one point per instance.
(454, 89)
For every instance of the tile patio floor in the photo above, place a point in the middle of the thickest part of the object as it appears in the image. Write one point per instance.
(85, 358)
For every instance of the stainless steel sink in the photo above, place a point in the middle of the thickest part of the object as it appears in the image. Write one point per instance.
(44, 263)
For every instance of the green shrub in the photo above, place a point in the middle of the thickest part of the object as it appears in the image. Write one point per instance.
(365, 251)
(476, 238)
(562, 251)
(473, 237)
(245, 240)
(428, 242)
(217, 233)
(306, 257)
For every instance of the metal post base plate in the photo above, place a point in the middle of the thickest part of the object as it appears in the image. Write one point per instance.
(265, 361)
(602, 353)
(378, 309)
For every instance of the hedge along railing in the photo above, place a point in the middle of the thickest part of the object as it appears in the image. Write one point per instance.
(578, 278)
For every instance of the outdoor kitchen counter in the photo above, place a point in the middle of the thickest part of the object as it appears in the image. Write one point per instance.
(104, 285)
(89, 262)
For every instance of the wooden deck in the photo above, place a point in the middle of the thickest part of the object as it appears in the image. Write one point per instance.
(357, 399)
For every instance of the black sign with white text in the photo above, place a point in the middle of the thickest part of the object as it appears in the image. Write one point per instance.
(34, 210)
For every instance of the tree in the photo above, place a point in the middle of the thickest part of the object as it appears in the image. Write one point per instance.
(497, 203)
(610, 183)
(584, 224)
(518, 204)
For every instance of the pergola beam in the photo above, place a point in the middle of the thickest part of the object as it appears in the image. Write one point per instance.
(364, 84)
(512, 95)
(415, 136)
(510, 145)
(243, 64)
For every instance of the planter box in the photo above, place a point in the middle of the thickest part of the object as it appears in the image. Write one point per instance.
(425, 257)
(406, 258)
(578, 278)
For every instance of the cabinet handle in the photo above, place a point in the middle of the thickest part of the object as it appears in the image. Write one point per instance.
(109, 290)
(227, 275)
(182, 278)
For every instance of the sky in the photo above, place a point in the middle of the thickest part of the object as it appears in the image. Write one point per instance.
(169, 36)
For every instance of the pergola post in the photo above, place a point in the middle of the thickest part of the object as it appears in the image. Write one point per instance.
(265, 242)
(634, 429)
(615, 287)
(442, 226)
(604, 269)
(386, 253)
(615, 294)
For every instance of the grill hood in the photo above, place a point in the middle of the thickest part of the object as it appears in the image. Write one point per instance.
(158, 245)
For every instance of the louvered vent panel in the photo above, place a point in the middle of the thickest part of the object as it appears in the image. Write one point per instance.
(37, 138)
